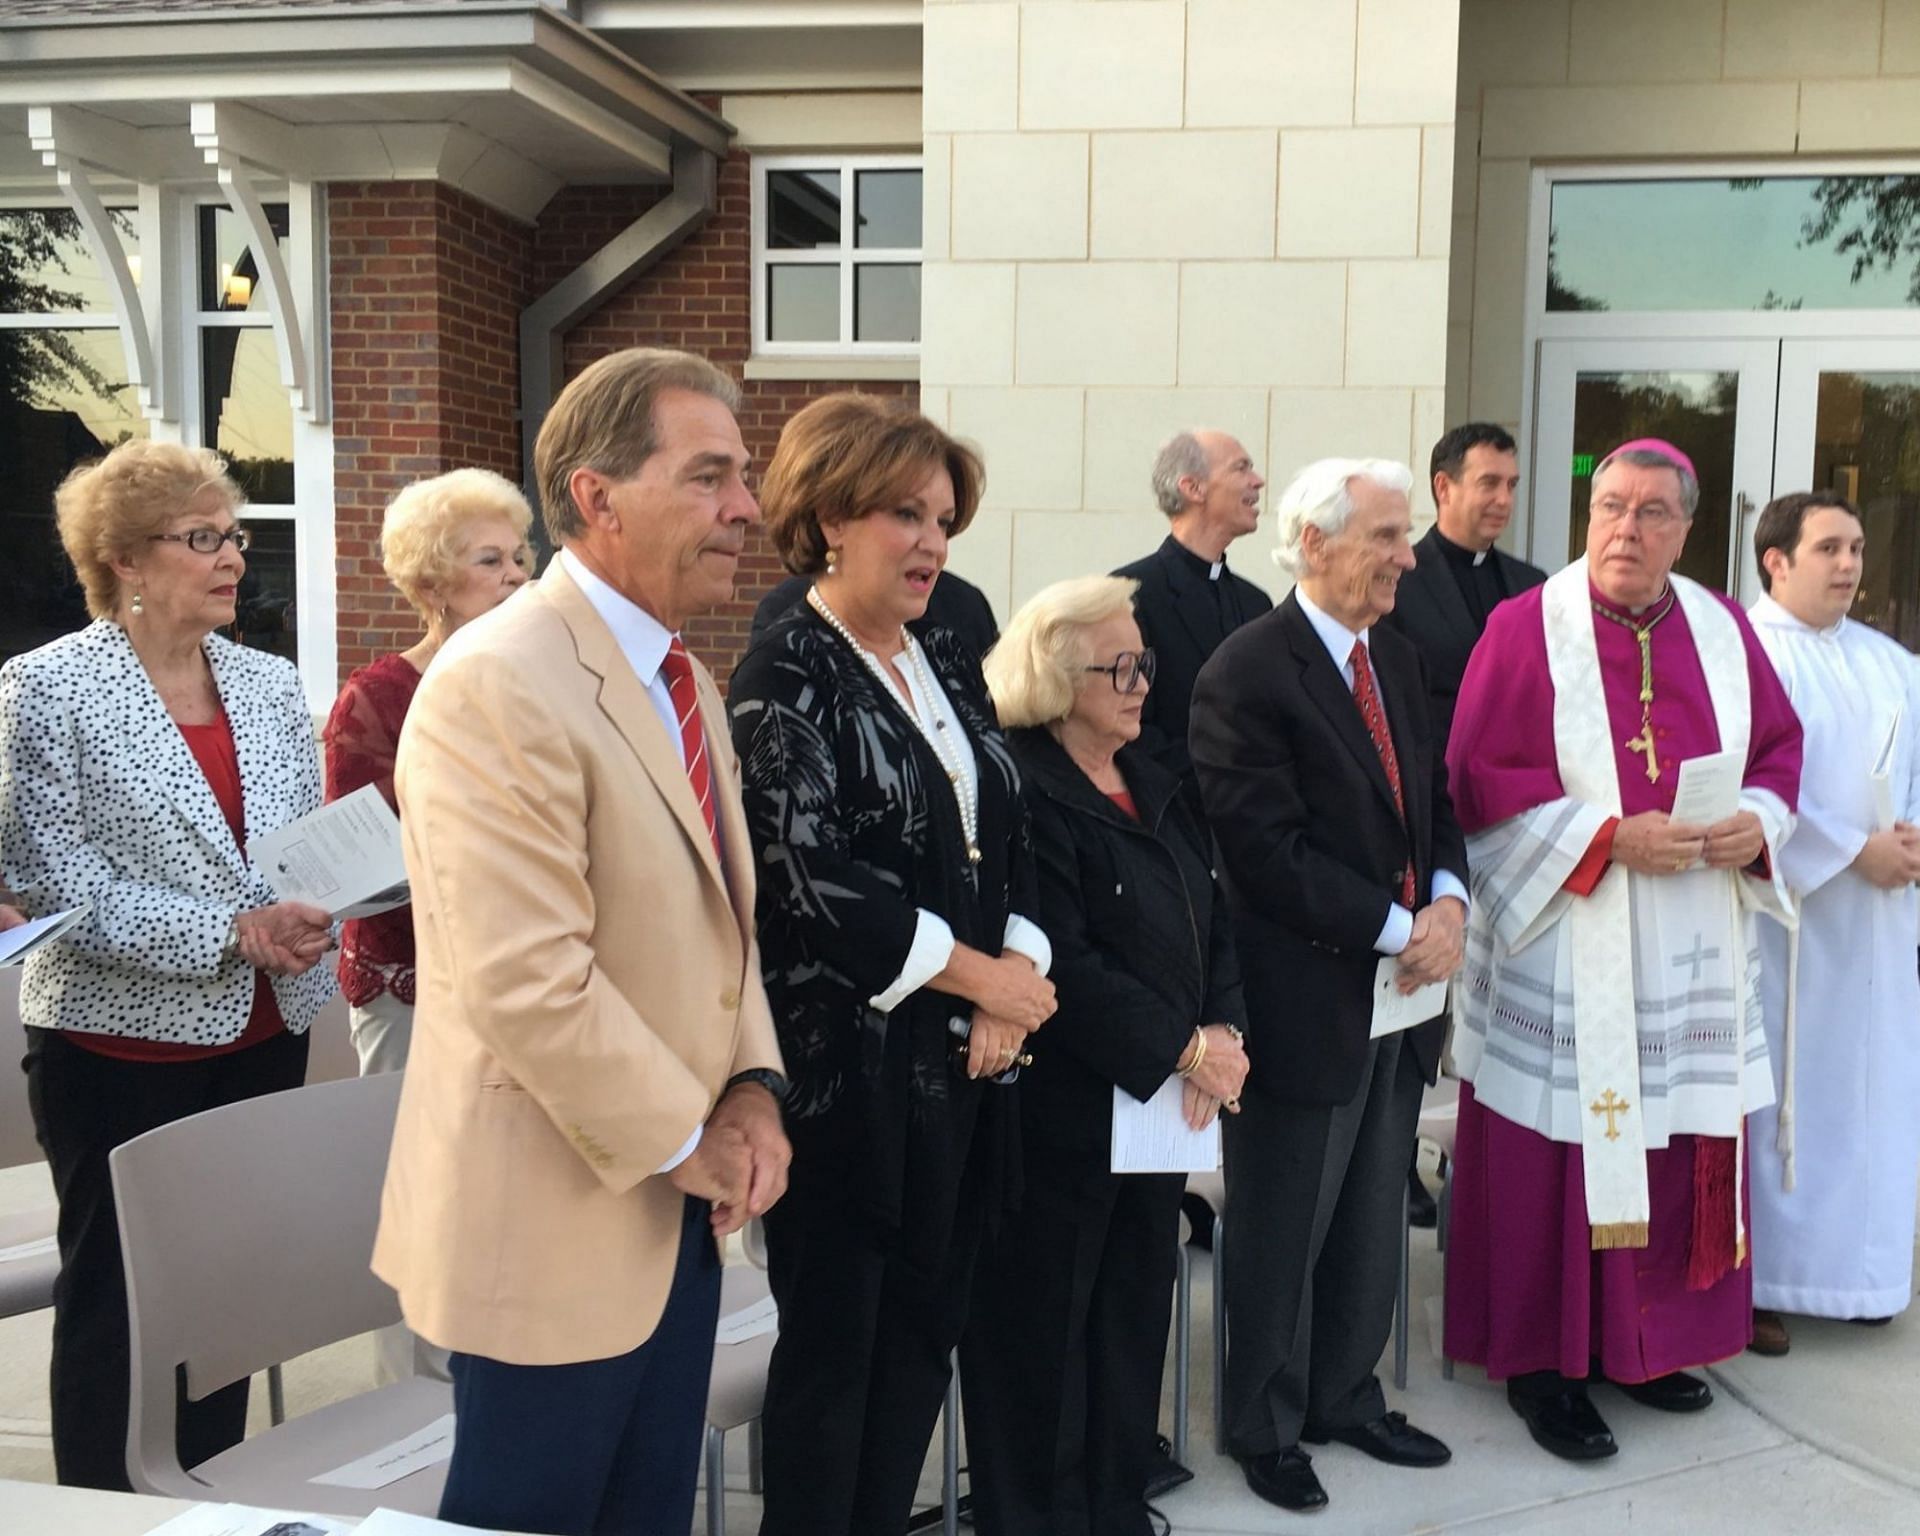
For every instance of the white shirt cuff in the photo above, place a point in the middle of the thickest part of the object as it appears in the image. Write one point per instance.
(1028, 938)
(932, 949)
(686, 1151)
(1447, 883)
(1395, 931)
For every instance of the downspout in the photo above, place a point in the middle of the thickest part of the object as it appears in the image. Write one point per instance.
(545, 322)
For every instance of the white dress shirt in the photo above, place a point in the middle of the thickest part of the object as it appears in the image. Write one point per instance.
(1339, 641)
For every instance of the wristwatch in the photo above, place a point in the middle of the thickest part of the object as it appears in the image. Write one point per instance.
(766, 1077)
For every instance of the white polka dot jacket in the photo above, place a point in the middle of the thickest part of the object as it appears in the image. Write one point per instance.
(101, 801)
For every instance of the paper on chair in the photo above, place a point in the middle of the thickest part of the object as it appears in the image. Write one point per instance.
(17, 943)
(245, 1520)
(1393, 1010)
(750, 1322)
(344, 857)
(423, 1448)
(1709, 789)
(1154, 1137)
(394, 1522)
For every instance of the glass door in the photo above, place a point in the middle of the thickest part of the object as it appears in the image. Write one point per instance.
(1714, 400)
(1850, 422)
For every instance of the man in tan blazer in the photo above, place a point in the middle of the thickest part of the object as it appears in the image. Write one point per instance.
(594, 1090)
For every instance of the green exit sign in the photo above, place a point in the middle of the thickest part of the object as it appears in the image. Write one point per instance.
(1582, 465)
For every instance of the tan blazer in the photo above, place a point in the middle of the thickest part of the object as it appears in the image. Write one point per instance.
(587, 982)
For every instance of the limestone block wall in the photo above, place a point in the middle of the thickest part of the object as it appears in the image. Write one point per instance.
(1144, 215)
(1644, 81)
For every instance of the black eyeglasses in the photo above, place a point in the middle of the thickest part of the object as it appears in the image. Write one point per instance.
(1128, 669)
(206, 541)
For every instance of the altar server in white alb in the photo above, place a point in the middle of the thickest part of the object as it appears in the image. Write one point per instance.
(1835, 1167)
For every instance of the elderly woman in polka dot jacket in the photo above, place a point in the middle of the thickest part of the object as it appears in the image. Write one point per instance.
(137, 757)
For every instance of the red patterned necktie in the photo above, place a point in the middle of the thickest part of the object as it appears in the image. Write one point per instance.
(1368, 698)
(678, 666)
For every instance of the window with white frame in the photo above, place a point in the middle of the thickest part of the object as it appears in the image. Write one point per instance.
(65, 400)
(836, 255)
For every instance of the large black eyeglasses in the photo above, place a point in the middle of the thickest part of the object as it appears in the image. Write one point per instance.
(206, 541)
(1128, 669)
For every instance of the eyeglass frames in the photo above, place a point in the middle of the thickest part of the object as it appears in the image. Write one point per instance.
(206, 541)
(1128, 668)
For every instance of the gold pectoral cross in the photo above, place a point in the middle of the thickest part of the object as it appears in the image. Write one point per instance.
(1644, 743)
(1610, 1105)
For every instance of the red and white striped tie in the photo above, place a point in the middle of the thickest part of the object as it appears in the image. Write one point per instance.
(678, 666)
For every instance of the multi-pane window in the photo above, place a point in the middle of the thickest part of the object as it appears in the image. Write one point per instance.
(836, 255)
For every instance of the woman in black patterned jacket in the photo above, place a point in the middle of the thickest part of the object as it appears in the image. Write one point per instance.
(905, 972)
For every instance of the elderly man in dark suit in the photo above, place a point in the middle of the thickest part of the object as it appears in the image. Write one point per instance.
(1188, 600)
(1324, 783)
(1460, 577)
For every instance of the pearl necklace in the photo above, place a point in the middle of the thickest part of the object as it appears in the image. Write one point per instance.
(966, 794)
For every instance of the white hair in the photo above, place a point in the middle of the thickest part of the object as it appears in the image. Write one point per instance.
(1319, 497)
(1180, 456)
(1035, 669)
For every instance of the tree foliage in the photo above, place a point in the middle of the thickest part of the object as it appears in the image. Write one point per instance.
(35, 363)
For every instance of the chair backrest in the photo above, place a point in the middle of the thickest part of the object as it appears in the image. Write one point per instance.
(246, 1232)
(17, 1141)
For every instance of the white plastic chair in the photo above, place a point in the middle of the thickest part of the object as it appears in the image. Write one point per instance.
(1212, 1188)
(246, 1232)
(1439, 1119)
(737, 1387)
(28, 1264)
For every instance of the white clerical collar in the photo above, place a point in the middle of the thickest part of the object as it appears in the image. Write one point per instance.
(1214, 570)
(642, 638)
(1768, 609)
(1479, 557)
(1335, 636)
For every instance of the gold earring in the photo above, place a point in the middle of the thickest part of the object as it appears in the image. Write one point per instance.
(833, 558)
(138, 607)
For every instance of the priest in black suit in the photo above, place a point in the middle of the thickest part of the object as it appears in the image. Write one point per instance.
(1461, 576)
(1188, 600)
(1326, 789)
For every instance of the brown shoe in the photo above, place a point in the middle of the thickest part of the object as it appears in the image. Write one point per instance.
(1769, 1333)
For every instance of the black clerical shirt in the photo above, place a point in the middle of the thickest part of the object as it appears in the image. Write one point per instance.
(1478, 576)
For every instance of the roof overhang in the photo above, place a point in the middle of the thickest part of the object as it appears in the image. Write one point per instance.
(756, 45)
(508, 99)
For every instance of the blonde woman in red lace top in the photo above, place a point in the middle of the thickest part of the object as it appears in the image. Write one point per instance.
(456, 547)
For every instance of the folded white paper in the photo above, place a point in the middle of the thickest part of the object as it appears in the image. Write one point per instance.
(1885, 813)
(1394, 1010)
(17, 943)
(1709, 789)
(750, 1322)
(1154, 1137)
(424, 1447)
(344, 857)
(245, 1520)
(392, 1522)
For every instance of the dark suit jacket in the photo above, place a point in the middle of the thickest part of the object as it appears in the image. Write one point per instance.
(954, 604)
(1311, 847)
(1179, 620)
(1142, 946)
(1432, 613)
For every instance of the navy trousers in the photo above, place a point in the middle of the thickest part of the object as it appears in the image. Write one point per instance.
(598, 1448)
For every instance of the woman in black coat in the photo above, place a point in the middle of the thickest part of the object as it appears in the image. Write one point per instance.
(1063, 1357)
(896, 895)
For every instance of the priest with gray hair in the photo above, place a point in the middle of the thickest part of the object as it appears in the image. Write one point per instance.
(1322, 778)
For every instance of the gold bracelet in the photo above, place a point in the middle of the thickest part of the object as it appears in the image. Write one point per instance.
(1199, 1053)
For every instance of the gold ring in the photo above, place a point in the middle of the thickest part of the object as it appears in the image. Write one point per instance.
(1024, 1059)
(1679, 864)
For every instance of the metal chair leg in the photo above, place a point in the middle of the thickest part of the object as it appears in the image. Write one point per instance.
(1219, 1333)
(716, 1481)
(1400, 1312)
(1182, 1349)
(950, 1450)
(754, 1484)
(276, 1396)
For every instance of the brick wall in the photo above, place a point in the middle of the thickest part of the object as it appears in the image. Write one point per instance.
(427, 289)
(696, 298)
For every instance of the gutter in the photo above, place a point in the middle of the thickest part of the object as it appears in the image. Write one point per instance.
(545, 322)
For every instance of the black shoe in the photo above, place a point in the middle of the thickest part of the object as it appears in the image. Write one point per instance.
(1389, 1438)
(1164, 1473)
(1560, 1416)
(1676, 1392)
(1871, 1322)
(1422, 1210)
(1285, 1478)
